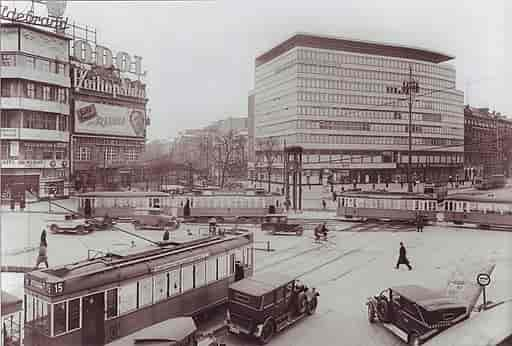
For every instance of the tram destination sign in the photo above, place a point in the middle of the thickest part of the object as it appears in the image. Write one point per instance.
(50, 288)
(14, 15)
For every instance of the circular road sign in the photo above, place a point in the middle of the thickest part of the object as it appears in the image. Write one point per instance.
(483, 279)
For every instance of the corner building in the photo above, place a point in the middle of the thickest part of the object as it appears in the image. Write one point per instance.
(34, 111)
(341, 101)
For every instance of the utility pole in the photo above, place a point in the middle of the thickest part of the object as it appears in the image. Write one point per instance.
(410, 87)
(409, 183)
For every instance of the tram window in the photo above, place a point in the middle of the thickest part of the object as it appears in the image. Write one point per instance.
(174, 282)
(232, 263)
(145, 295)
(187, 275)
(29, 308)
(222, 266)
(111, 303)
(199, 274)
(156, 202)
(128, 297)
(74, 314)
(160, 287)
(59, 318)
(211, 269)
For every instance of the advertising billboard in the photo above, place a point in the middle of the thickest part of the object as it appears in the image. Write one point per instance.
(101, 119)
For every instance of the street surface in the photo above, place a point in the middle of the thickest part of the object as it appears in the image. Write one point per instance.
(356, 262)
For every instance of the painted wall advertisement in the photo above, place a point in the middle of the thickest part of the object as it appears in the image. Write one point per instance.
(101, 119)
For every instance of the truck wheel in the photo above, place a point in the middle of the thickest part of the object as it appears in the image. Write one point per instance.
(311, 307)
(54, 228)
(267, 332)
(414, 340)
(371, 313)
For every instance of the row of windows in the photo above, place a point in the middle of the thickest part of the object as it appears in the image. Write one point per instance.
(373, 75)
(109, 153)
(363, 114)
(339, 58)
(375, 127)
(375, 101)
(129, 297)
(398, 157)
(33, 90)
(34, 120)
(337, 139)
(35, 63)
(34, 151)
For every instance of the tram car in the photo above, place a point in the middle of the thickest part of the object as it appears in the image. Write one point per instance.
(242, 207)
(387, 206)
(12, 322)
(102, 299)
(482, 210)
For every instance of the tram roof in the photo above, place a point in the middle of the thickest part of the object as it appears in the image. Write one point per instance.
(10, 303)
(262, 283)
(132, 263)
(124, 194)
(387, 195)
(173, 329)
(478, 198)
(429, 299)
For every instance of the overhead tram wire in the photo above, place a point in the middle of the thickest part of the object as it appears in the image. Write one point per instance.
(113, 226)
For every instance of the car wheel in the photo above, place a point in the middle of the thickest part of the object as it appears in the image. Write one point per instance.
(371, 313)
(302, 304)
(299, 232)
(267, 332)
(136, 224)
(54, 228)
(311, 307)
(80, 230)
(414, 340)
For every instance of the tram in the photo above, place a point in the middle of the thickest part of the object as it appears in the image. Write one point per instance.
(99, 300)
(482, 210)
(193, 207)
(387, 205)
(12, 308)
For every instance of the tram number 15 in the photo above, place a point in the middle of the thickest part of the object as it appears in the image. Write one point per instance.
(57, 288)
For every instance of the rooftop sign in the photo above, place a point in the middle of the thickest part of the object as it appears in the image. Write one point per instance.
(13, 15)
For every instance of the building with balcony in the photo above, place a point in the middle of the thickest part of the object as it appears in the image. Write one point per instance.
(342, 101)
(35, 108)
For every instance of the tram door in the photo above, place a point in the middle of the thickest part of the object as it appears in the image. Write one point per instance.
(87, 207)
(93, 320)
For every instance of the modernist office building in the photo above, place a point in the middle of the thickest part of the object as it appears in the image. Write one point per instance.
(35, 123)
(341, 100)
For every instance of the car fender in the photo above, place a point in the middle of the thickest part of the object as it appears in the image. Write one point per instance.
(259, 327)
(372, 301)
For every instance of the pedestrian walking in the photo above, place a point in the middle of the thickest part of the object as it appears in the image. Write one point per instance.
(324, 205)
(43, 255)
(166, 235)
(402, 258)
(43, 238)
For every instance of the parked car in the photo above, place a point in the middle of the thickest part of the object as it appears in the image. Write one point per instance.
(72, 224)
(415, 313)
(102, 223)
(277, 224)
(152, 218)
(266, 303)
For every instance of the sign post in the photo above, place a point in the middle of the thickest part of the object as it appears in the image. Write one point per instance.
(483, 279)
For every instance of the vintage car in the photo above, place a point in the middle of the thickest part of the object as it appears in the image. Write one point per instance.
(415, 313)
(277, 224)
(152, 218)
(72, 224)
(175, 331)
(266, 303)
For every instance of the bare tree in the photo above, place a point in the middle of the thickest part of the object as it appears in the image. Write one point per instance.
(269, 149)
(224, 154)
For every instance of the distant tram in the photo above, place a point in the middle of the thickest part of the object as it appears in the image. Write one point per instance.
(193, 207)
(96, 301)
(387, 205)
(482, 210)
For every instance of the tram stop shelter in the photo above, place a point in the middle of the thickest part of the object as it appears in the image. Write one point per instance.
(12, 308)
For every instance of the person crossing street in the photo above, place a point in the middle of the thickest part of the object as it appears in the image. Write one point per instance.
(402, 258)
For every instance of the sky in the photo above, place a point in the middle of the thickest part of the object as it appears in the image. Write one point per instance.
(200, 54)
